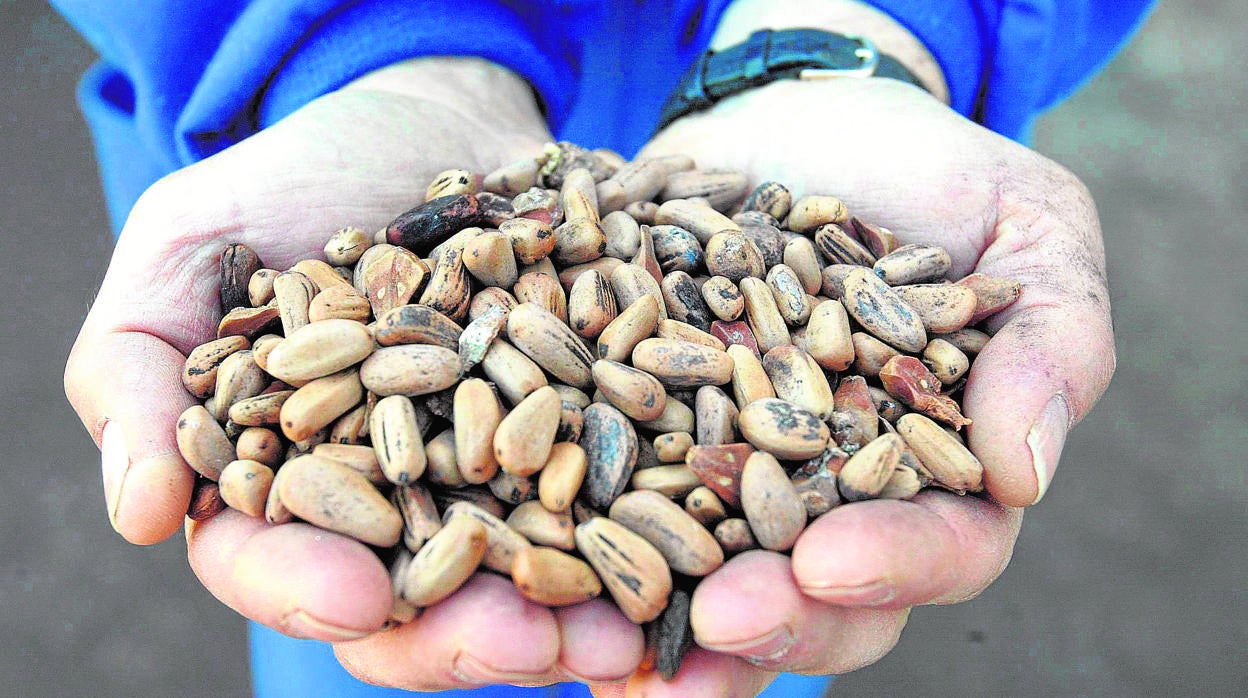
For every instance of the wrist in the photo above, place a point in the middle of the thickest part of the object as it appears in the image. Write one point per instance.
(490, 102)
(841, 16)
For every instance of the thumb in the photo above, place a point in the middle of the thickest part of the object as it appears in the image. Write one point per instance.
(1052, 354)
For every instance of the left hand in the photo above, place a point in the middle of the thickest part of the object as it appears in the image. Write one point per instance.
(899, 158)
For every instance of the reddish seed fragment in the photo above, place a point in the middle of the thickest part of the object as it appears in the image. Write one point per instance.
(908, 380)
(735, 332)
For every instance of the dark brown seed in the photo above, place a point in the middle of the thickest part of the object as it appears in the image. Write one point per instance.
(674, 635)
(423, 227)
(238, 263)
(206, 501)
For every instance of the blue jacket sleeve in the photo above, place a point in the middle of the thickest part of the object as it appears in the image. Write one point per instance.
(1007, 61)
(178, 81)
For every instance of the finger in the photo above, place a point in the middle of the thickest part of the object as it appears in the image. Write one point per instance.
(482, 634)
(127, 389)
(936, 548)
(753, 609)
(294, 578)
(702, 673)
(597, 644)
(1052, 354)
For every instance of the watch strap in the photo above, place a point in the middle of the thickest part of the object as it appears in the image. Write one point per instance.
(770, 55)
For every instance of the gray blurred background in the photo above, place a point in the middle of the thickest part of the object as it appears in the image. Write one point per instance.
(1128, 580)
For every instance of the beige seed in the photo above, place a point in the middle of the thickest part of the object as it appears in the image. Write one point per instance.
(672, 329)
(635, 323)
(410, 369)
(445, 562)
(783, 429)
(203, 443)
(671, 447)
(361, 459)
(345, 246)
(943, 455)
(716, 416)
(870, 354)
(623, 235)
(775, 512)
(945, 361)
(912, 264)
(678, 363)
(734, 536)
(765, 320)
(199, 373)
(477, 416)
(525, 436)
(676, 417)
(630, 567)
(828, 337)
(636, 393)
(866, 472)
(244, 485)
(669, 480)
(591, 305)
(319, 349)
(630, 283)
(317, 404)
(238, 378)
(749, 378)
(340, 301)
(441, 467)
(515, 374)
(397, 439)
(810, 212)
(941, 307)
(512, 489)
(801, 256)
(705, 506)
(554, 578)
(789, 294)
(542, 526)
(389, 276)
(543, 290)
(882, 312)
(490, 259)
(260, 287)
(561, 477)
(733, 255)
(261, 445)
(797, 378)
(501, 543)
(550, 343)
(685, 543)
(723, 298)
(703, 221)
(336, 498)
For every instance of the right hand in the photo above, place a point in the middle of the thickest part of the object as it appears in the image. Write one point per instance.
(358, 156)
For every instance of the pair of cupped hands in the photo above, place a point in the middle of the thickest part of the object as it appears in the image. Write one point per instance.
(364, 153)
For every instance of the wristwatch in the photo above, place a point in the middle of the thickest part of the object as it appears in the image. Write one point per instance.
(770, 55)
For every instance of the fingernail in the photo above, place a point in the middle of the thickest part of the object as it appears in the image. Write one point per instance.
(761, 650)
(301, 624)
(1045, 439)
(469, 669)
(114, 463)
(869, 594)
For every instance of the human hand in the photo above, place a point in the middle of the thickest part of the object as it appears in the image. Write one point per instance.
(358, 156)
(899, 158)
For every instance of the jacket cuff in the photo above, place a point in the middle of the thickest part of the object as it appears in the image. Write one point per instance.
(322, 45)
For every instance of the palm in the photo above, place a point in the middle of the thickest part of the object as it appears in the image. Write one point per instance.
(356, 157)
(902, 160)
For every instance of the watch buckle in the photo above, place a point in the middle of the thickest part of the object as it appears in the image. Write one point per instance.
(866, 52)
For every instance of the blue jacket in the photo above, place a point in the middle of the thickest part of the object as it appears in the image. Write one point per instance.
(178, 81)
